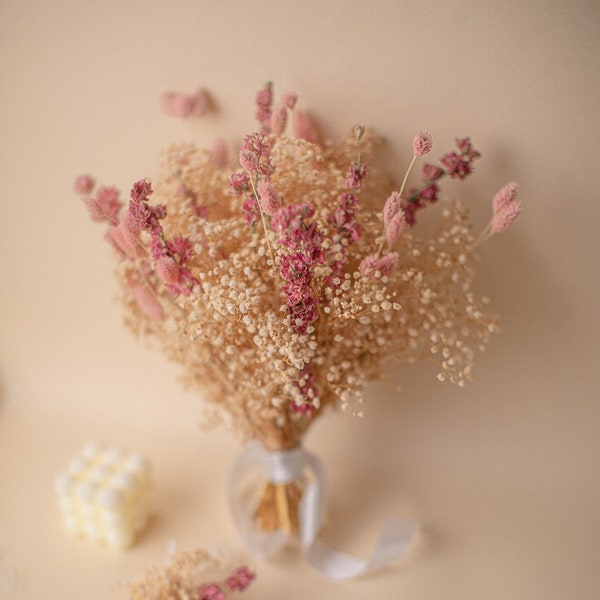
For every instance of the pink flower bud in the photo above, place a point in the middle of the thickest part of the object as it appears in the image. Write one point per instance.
(270, 202)
(176, 105)
(422, 143)
(278, 119)
(200, 103)
(182, 105)
(84, 184)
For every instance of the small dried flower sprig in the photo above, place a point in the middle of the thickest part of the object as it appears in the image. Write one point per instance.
(284, 285)
(194, 575)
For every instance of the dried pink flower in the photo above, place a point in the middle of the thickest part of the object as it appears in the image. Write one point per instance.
(264, 99)
(356, 175)
(240, 579)
(278, 119)
(305, 128)
(422, 143)
(432, 172)
(270, 201)
(254, 155)
(84, 184)
(211, 591)
(395, 227)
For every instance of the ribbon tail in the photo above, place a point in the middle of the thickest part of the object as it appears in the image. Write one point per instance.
(393, 542)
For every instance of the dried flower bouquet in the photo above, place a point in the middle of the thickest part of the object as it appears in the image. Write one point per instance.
(285, 284)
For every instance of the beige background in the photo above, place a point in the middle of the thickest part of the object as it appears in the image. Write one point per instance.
(504, 474)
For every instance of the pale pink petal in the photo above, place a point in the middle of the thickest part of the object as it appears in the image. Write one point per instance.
(182, 106)
(177, 105)
(218, 154)
(306, 129)
(200, 103)
(147, 302)
(84, 184)
(166, 102)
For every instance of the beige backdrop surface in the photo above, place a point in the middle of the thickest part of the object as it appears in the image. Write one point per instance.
(503, 474)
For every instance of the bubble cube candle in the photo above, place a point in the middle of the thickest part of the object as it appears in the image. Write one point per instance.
(104, 495)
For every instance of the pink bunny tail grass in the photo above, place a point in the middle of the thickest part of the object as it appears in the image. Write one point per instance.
(372, 266)
(422, 143)
(504, 218)
(395, 227)
(124, 239)
(505, 196)
(306, 129)
(270, 202)
(391, 207)
(147, 302)
(278, 119)
(168, 270)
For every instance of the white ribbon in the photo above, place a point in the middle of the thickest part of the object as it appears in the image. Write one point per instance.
(291, 465)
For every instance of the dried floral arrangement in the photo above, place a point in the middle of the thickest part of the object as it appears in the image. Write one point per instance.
(191, 575)
(286, 282)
